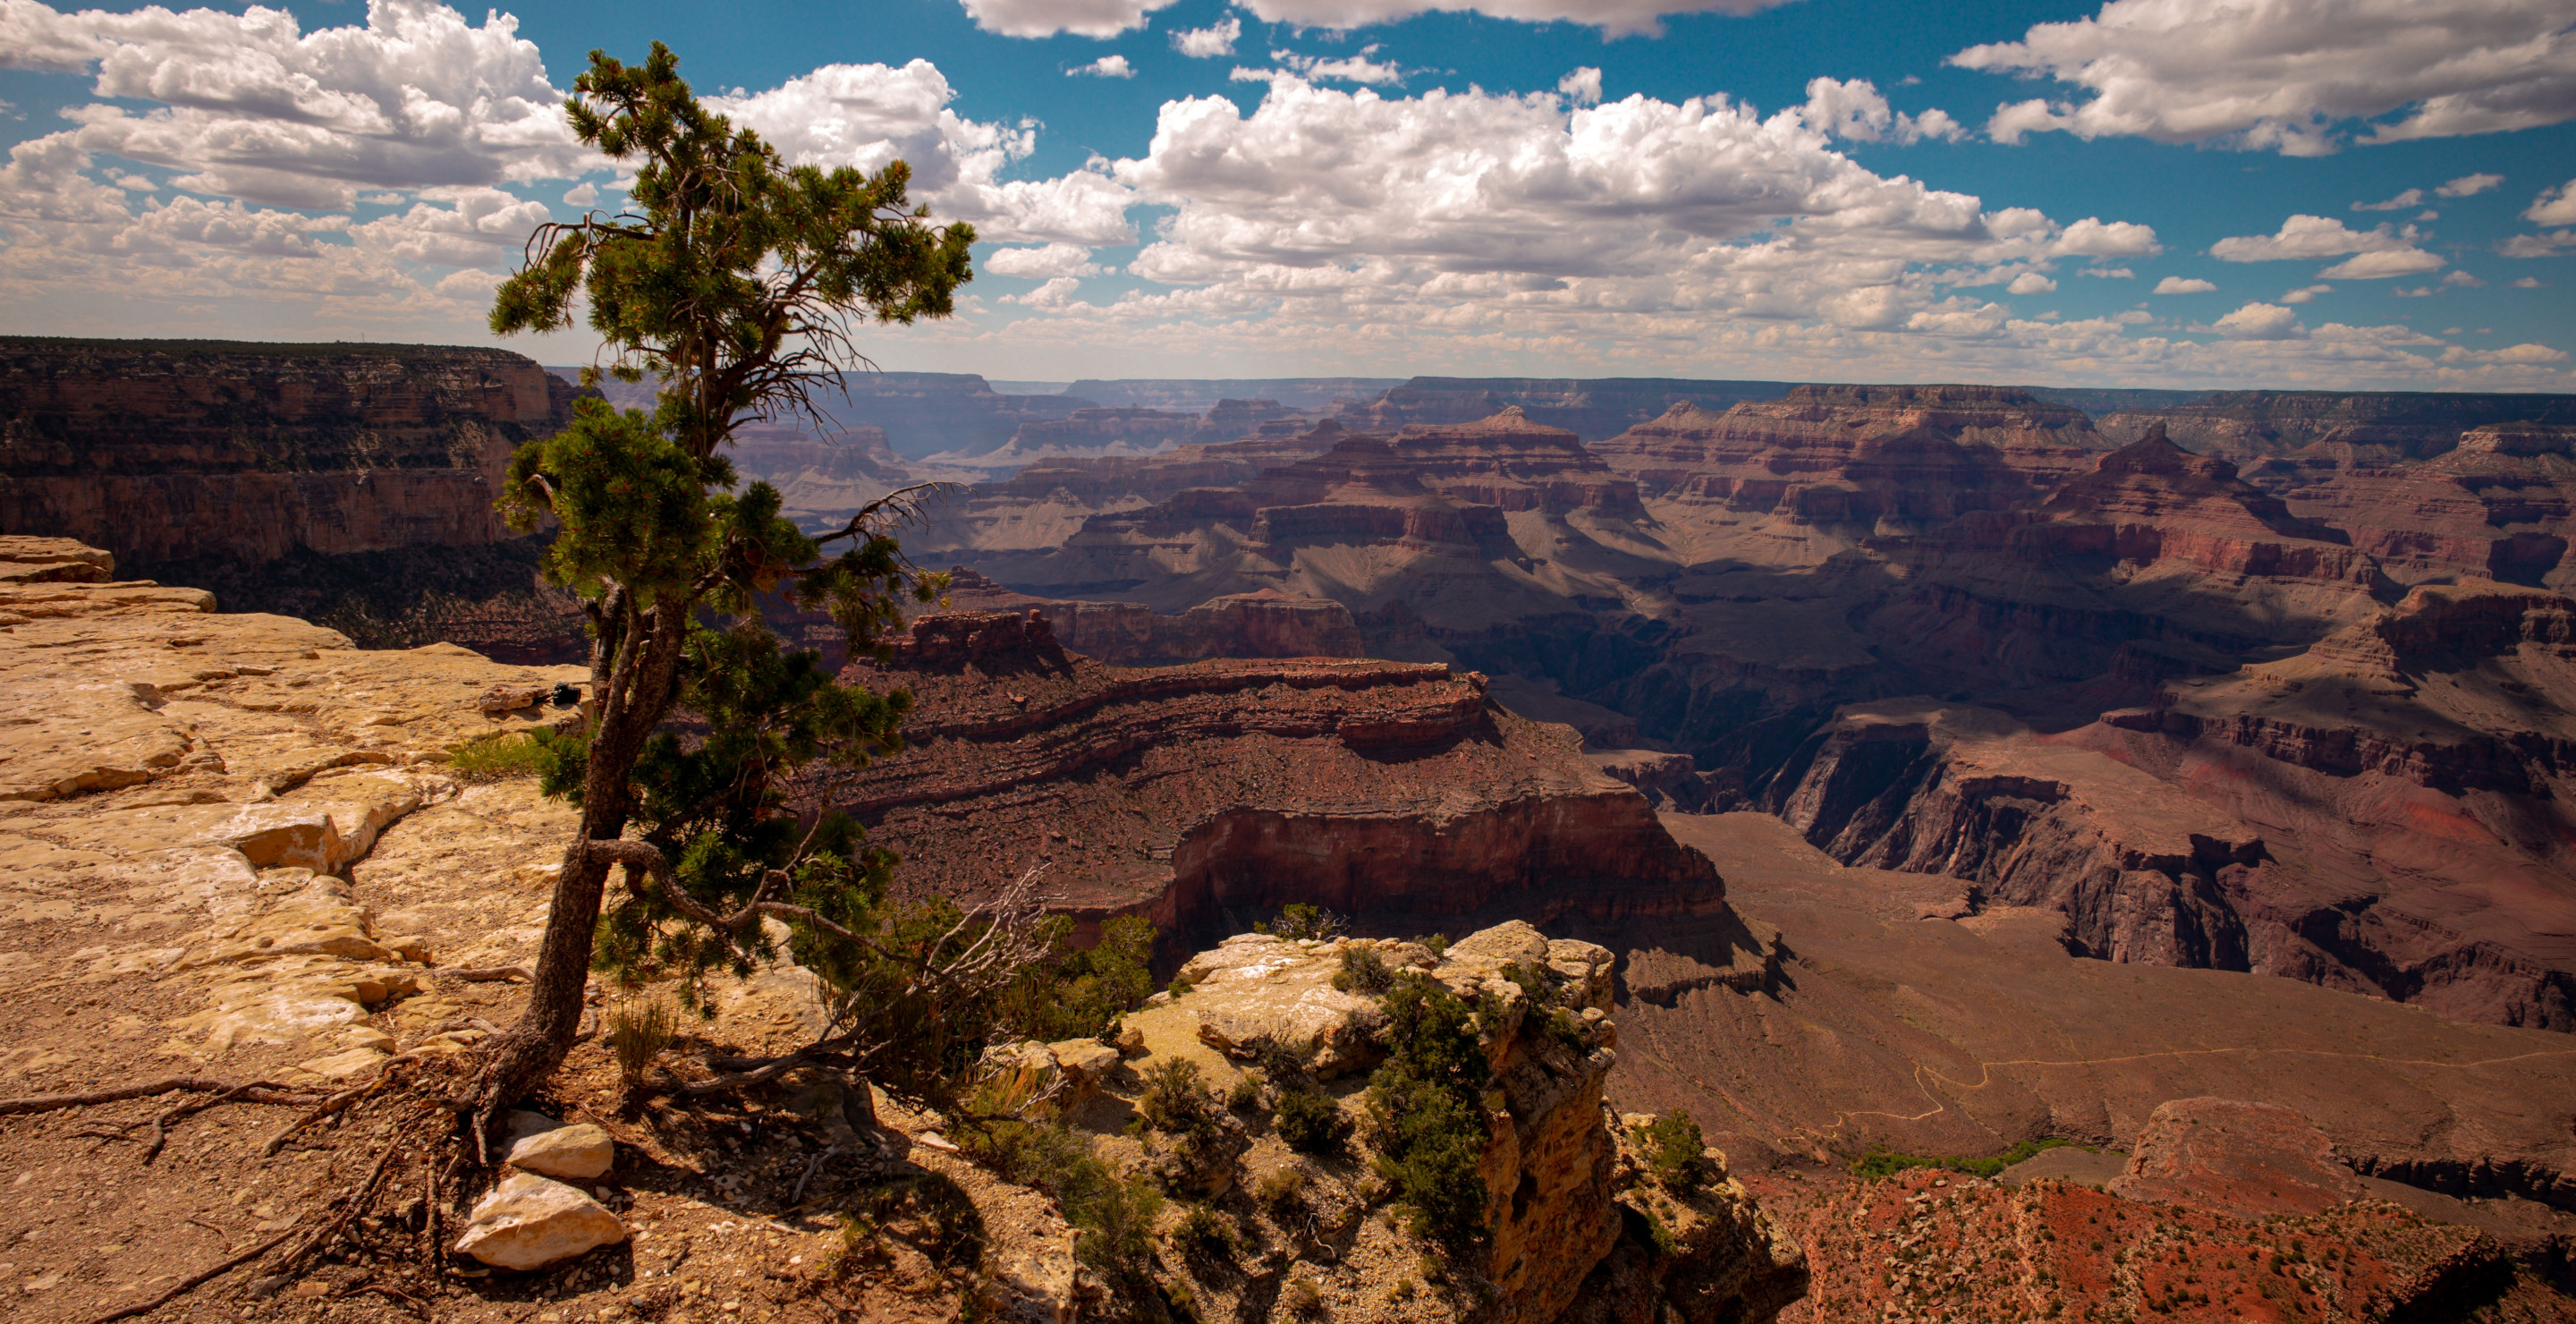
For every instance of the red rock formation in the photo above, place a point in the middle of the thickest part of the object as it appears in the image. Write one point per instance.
(2501, 505)
(2153, 501)
(1260, 624)
(2252, 1160)
(1208, 794)
(164, 452)
(1593, 410)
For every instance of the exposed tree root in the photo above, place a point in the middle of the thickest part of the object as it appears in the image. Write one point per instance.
(45, 1103)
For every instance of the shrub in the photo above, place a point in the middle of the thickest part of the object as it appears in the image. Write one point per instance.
(1565, 1028)
(1426, 1108)
(638, 1030)
(1203, 1233)
(1301, 1296)
(1309, 1121)
(1088, 989)
(1297, 921)
(1879, 1163)
(1671, 1145)
(1245, 1096)
(1438, 943)
(1179, 987)
(1173, 1099)
(1282, 1192)
(1363, 971)
(1534, 983)
(498, 758)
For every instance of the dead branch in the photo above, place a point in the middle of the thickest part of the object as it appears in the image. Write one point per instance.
(327, 1107)
(357, 1202)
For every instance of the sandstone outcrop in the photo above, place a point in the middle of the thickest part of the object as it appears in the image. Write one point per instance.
(1264, 623)
(2248, 1159)
(1571, 1221)
(1190, 793)
(1592, 409)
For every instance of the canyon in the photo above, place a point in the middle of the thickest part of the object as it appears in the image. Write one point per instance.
(1938, 768)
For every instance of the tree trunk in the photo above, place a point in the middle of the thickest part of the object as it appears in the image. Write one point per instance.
(634, 692)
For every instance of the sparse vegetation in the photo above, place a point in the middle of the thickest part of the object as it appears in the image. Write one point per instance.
(1884, 1163)
(1672, 1145)
(1426, 1109)
(1438, 943)
(1282, 1192)
(1300, 922)
(1309, 1121)
(1205, 1234)
(1301, 1297)
(1179, 987)
(639, 1029)
(1173, 1099)
(1245, 1096)
(1363, 971)
(497, 758)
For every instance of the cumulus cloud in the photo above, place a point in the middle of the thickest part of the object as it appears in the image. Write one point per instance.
(1107, 66)
(2031, 282)
(2413, 197)
(1582, 87)
(2306, 293)
(2554, 206)
(2469, 186)
(2261, 321)
(1054, 296)
(2183, 285)
(2464, 280)
(2380, 252)
(1855, 110)
(2525, 353)
(581, 195)
(1210, 42)
(2538, 245)
(1315, 68)
(2109, 273)
(2289, 75)
(1049, 260)
(866, 115)
(2382, 265)
(1615, 18)
(1046, 18)
(2526, 282)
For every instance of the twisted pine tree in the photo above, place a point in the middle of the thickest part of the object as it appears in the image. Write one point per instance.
(735, 282)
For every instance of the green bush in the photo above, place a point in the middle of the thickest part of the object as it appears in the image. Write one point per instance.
(1205, 1234)
(1297, 921)
(1426, 1108)
(1363, 971)
(1088, 989)
(1283, 1192)
(1174, 1100)
(1671, 1146)
(1438, 943)
(1309, 1121)
(1879, 1163)
(1245, 1096)
(499, 758)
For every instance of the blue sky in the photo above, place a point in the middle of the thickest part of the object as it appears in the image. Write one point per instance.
(1240, 191)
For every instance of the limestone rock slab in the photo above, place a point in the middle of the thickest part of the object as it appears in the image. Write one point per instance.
(529, 1222)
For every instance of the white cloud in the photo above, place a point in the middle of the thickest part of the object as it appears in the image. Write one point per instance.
(1050, 260)
(1348, 69)
(2469, 186)
(1107, 66)
(1615, 18)
(1210, 42)
(2183, 285)
(1582, 87)
(866, 115)
(253, 107)
(2554, 206)
(2538, 245)
(2526, 282)
(2306, 293)
(2095, 237)
(2109, 273)
(1045, 18)
(2382, 265)
(581, 195)
(1855, 110)
(2382, 251)
(2418, 292)
(2031, 282)
(2464, 280)
(2261, 321)
(2413, 197)
(480, 227)
(1054, 296)
(2287, 75)
(2519, 354)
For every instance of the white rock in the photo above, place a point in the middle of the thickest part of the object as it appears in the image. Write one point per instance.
(529, 1222)
(574, 1153)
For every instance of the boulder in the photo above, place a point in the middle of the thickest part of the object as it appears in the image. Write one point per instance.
(1257, 993)
(529, 1222)
(575, 1153)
